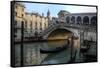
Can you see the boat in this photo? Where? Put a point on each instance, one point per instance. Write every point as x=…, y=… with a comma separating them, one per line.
x=53, y=50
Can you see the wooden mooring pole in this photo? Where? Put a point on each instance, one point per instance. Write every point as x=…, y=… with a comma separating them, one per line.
x=71, y=46
x=22, y=38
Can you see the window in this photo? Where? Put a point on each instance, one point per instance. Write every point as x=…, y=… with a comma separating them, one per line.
x=25, y=26
x=94, y=20
x=16, y=6
x=22, y=15
x=68, y=19
x=15, y=13
x=79, y=20
x=57, y=22
x=35, y=25
x=40, y=26
x=86, y=20
x=36, y=33
x=31, y=26
x=45, y=25
x=73, y=19
x=22, y=9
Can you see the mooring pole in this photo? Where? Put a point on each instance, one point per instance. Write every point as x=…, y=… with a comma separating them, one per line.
x=22, y=38
x=72, y=42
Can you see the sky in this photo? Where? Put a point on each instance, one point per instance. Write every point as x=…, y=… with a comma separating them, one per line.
x=54, y=8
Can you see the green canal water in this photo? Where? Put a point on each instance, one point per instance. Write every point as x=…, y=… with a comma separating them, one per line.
x=32, y=55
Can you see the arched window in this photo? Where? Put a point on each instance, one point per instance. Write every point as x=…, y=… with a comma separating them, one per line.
x=22, y=24
x=15, y=13
x=36, y=33
x=68, y=19
x=40, y=25
x=25, y=24
x=86, y=20
x=35, y=25
x=94, y=20
x=73, y=19
x=79, y=20
x=31, y=26
x=57, y=22
x=45, y=25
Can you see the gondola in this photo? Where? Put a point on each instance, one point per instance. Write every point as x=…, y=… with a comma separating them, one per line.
x=54, y=50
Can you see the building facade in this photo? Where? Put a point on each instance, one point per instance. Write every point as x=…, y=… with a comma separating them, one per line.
x=34, y=23
x=80, y=19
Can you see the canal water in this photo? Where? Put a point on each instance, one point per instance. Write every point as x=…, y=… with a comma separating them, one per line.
x=32, y=55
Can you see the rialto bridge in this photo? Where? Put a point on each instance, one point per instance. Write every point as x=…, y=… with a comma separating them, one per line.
x=82, y=25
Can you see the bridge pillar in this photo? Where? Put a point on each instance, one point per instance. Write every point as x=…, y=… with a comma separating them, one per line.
x=72, y=40
x=81, y=38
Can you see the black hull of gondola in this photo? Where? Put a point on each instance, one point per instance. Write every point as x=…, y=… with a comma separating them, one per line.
x=53, y=50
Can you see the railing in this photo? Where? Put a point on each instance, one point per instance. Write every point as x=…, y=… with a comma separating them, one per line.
x=77, y=26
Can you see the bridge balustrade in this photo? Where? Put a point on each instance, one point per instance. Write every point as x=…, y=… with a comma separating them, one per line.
x=74, y=25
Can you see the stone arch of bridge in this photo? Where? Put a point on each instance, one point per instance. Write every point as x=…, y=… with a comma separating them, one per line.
x=72, y=31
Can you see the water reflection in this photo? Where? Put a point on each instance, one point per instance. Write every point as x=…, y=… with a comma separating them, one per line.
x=32, y=55
x=57, y=43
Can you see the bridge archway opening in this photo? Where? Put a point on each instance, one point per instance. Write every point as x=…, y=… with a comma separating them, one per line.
x=59, y=37
x=59, y=34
